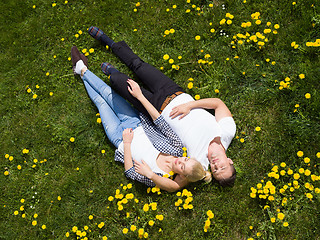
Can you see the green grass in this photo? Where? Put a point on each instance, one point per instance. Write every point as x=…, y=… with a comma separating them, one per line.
x=84, y=177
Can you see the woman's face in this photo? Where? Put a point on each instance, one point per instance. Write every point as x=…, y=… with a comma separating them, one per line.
x=183, y=165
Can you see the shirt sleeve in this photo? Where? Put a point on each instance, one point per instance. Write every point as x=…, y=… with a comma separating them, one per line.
x=228, y=131
x=162, y=137
x=131, y=172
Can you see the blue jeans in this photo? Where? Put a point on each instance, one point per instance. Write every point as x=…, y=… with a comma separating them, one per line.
x=115, y=112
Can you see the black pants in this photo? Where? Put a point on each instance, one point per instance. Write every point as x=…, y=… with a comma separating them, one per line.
x=159, y=85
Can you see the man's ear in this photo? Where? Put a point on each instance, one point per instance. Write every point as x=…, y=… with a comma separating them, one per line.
x=230, y=161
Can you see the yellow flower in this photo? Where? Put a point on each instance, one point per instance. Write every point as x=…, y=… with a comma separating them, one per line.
x=91, y=50
x=34, y=96
x=223, y=21
x=54, y=4
x=272, y=219
x=151, y=223
x=133, y=228
x=296, y=176
x=159, y=217
x=72, y=139
x=171, y=61
x=166, y=57
x=258, y=129
x=212, y=30
x=309, y=195
x=43, y=227
x=67, y=234
x=197, y=97
x=90, y=217
x=307, y=95
x=197, y=37
x=146, y=207
x=125, y=230
x=141, y=231
x=300, y=154
x=276, y=26
x=280, y=215
x=98, y=120
x=6, y=173
x=242, y=140
x=285, y=224
x=101, y=225
x=229, y=22
x=172, y=30
x=302, y=76
x=34, y=223
x=190, y=85
x=258, y=22
x=306, y=160
x=318, y=154
x=210, y=214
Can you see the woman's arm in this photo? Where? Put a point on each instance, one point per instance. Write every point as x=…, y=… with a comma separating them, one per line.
x=127, y=136
x=135, y=90
x=221, y=110
x=166, y=184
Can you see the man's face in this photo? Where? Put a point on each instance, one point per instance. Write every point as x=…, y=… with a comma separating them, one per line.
x=221, y=166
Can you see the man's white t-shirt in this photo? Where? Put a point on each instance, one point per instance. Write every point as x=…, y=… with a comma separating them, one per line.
x=197, y=129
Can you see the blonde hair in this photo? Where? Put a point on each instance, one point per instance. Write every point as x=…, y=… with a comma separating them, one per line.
x=198, y=173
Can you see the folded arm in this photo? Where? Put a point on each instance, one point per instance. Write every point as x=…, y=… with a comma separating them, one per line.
x=166, y=184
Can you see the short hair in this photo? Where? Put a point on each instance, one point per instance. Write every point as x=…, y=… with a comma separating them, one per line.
x=229, y=182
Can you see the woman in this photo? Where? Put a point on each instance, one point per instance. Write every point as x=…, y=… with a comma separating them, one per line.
x=155, y=148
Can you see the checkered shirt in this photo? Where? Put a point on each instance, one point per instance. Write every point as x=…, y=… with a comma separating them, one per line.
x=162, y=138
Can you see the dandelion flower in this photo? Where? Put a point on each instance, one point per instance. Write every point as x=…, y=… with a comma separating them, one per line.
x=197, y=37
x=166, y=57
x=300, y=154
x=72, y=139
x=133, y=228
x=197, y=97
x=258, y=129
x=280, y=216
x=307, y=95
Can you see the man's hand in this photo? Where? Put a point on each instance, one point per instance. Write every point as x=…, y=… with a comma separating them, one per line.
x=127, y=135
x=182, y=109
x=143, y=169
x=134, y=89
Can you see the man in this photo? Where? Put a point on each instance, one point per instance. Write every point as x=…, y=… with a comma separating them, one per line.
x=205, y=136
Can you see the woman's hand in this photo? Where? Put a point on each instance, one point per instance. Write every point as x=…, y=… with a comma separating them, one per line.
x=134, y=89
x=182, y=109
x=127, y=135
x=143, y=169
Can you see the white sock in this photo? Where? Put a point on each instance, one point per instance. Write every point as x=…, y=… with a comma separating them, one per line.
x=79, y=66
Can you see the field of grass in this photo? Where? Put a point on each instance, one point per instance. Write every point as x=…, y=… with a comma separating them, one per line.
x=260, y=57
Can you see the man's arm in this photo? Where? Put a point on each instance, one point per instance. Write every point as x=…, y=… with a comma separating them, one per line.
x=221, y=110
